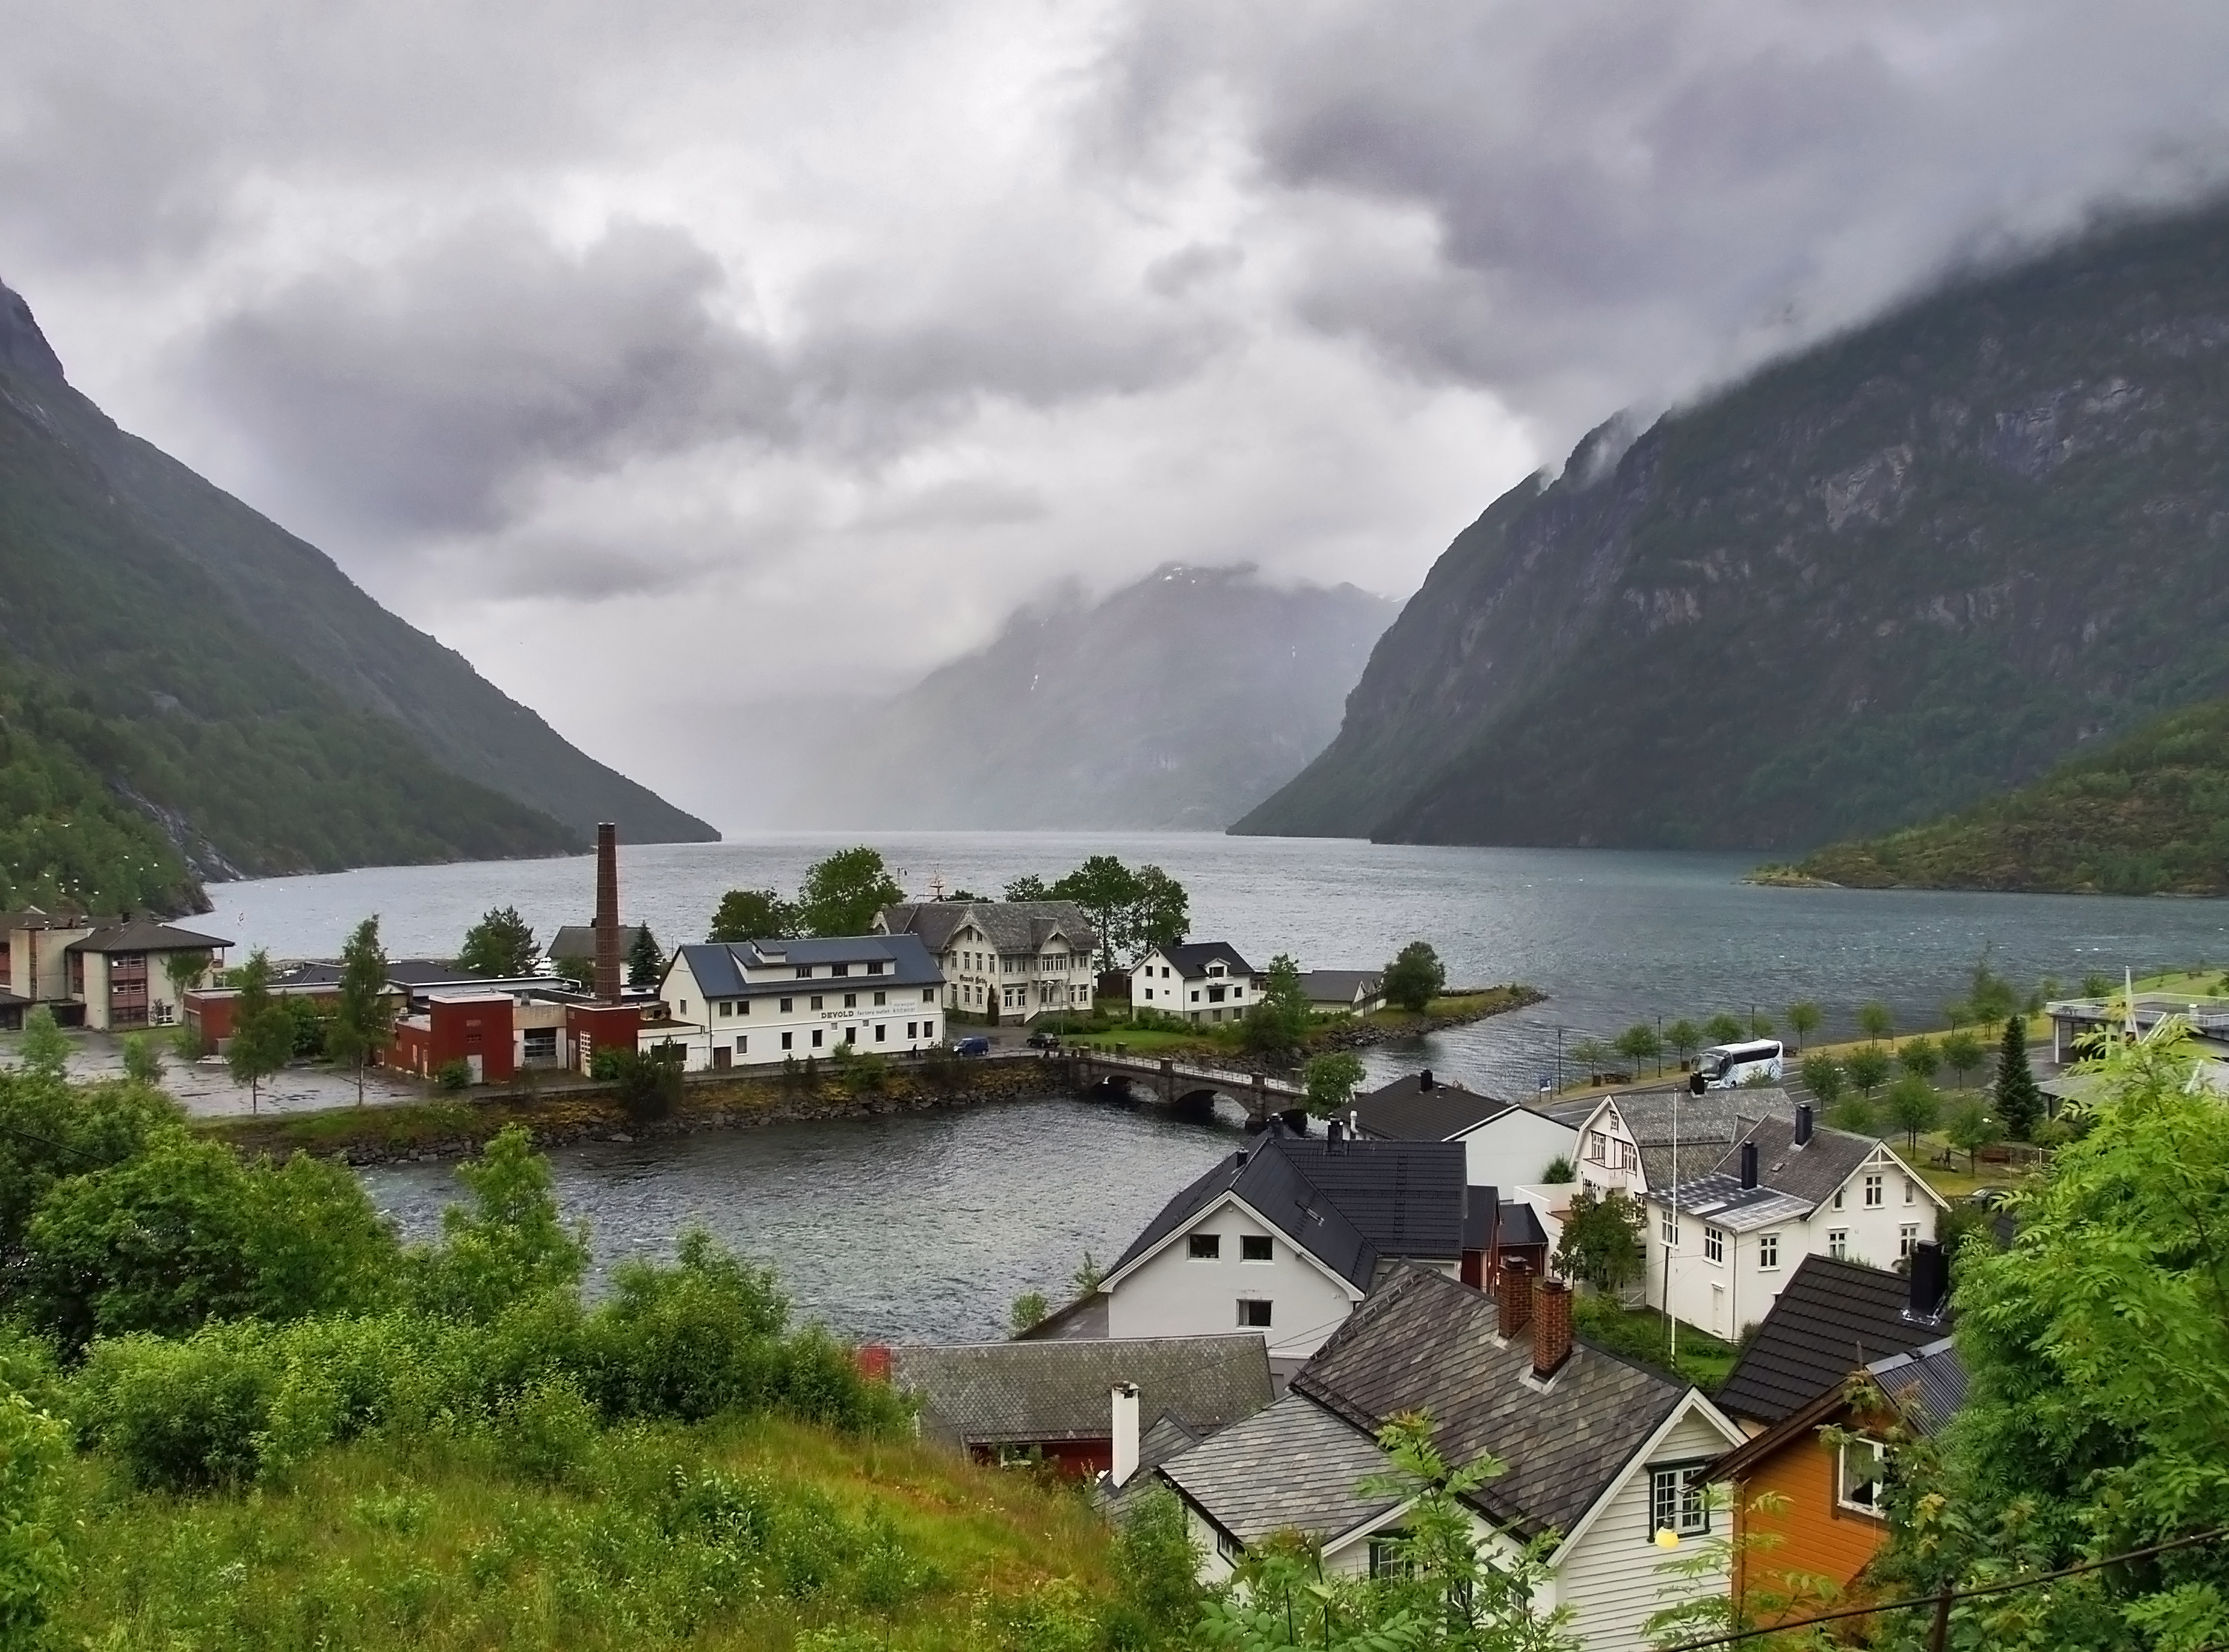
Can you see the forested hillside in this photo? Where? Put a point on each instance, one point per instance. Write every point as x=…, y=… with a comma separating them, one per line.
x=2145, y=815
x=1878, y=582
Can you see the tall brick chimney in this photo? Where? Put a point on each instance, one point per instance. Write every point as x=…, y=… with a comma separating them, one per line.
x=608, y=913
x=1513, y=1298
x=1552, y=1327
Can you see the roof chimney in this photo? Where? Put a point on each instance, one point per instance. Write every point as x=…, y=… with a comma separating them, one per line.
x=608, y=913
x=1125, y=1401
x=1552, y=1327
x=1930, y=1280
x=1803, y=1124
x=873, y=1359
x=1748, y=1165
x=1424, y=1079
x=1334, y=1131
x=1513, y=1298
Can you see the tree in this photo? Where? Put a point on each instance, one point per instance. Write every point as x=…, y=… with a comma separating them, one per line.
x=1684, y=1038
x=511, y=1244
x=1330, y=1080
x=1415, y=978
x=1162, y=914
x=1822, y=1076
x=35, y=1564
x=1279, y=1019
x=1920, y=1058
x=1028, y=887
x=1602, y=1239
x=262, y=1028
x=1802, y=1020
x=581, y=972
x=1854, y=1114
x=1875, y=1021
x=44, y=1048
x=1639, y=1043
x=1972, y=1126
x=1913, y=1106
x=500, y=946
x=1723, y=1029
x=753, y=914
x=645, y=959
x=648, y=1084
x=1592, y=1054
x=1760, y=1024
x=186, y=970
x=1868, y=1068
x=843, y=894
x=1956, y=1014
x=2019, y=1103
x=1030, y=1309
x=1108, y=893
x=1992, y=996
x=363, y=1010
x=1961, y=1053
x=142, y=1062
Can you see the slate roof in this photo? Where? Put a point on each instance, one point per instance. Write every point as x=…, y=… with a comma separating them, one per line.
x=1427, y=1344
x=144, y=935
x=1341, y=986
x=1346, y=1203
x=1928, y=1384
x=1520, y=1224
x=1011, y=926
x=1715, y=1119
x=718, y=966
x=1810, y=1172
x=579, y=940
x=1019, y=1394
x=1406, y=1110
x=1830, y=1318
x=1295, y=1465
x=1190, y=958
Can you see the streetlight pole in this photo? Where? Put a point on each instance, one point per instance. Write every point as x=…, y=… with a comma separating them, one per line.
x=1672, y=1319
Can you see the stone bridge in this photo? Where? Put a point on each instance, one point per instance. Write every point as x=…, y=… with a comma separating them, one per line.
x=1179, y=1084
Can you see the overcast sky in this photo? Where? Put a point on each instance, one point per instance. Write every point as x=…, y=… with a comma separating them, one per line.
x=788, y=347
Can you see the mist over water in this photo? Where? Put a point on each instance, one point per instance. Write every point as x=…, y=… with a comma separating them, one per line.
x=928, y=1226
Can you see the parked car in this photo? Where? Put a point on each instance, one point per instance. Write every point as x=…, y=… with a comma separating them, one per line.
x=1044, y=1040
x=976, y=1045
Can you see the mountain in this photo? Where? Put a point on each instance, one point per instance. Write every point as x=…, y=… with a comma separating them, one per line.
x=188, y=691
x=1177, y=702
x=2146, y=815
x=1888, y=576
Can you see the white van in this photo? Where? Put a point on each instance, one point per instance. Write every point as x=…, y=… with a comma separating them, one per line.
x=1728, y=1066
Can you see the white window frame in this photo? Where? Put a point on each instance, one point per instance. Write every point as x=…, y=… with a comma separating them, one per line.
x=1669, y=1231
x=1203, y=1247
x=1876, y=1189
x=1266, y=1243
x=1714, y=1244
x=1768, y=1253
x=1246, y=1322
x=1680, y=1500
x=1838, y=1243
x=1878, y=1451
x=1907, y=1239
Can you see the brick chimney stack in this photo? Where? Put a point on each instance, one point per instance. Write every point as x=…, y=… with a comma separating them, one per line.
x=1513, y=1298
x=1552, y=1327
x=608, y=913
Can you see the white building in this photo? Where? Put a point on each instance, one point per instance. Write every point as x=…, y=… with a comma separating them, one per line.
x=1195, y=980
x=1639, y=1140
x=1344, y=992
x=1507, y=1144
x=110, y=974
x=1723, y=1244
x=1600, y=1456
x=756, y=1003
x=1016, y=960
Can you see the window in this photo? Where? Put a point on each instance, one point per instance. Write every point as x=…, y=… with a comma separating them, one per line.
x=1206, y=1247
x=882, y=998
x=1254, y=1247
x=727, y=1008
x=850, y=1035
x=1909, y=1196
x=1389, y=1556
x=685, y=1009
x=874, y=969
x=1838, y=1243
x=816, y=1038
x=1906, y=1238
x=744, y=1007
x=911, y=1032
x=1149, y=994
x=1677, y=1501
x=928, y=995
x=1875, y=1196
x=850, y=1000
x=1838, y=1199
x=840, y=969
x=880, y=1029
x=1859, y=1465
x=1767, y=1251
x=788, y=1004
x=1229, y=1548
x=1714, y=1244
x=742, y=1043
x=1195, y=995
x=1669, y=1231
x=805, y=972
x=1253, y=1314
x=789, y=1040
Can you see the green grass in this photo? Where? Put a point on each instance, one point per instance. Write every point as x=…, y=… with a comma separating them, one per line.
x=1644, y=1334
x=762, y=1534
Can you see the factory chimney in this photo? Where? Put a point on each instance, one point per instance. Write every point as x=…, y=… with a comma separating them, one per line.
x=608, y=913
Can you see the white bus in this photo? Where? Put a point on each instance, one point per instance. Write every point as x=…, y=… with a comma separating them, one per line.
x=1728, y=1066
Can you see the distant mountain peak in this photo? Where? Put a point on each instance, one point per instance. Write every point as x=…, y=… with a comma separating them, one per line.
x=23, y=348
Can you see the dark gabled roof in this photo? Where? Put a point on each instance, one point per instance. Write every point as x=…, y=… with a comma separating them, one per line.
x=1706, y=1125
x=1425, y=1343
x=1296, y=1466
x=1519, y=1224
x=1340, y=986
x=1408, y=1111
x=1346, y=1203
x=1810, y=1172
x=1481, y=1217
x=1084, y=1318
x=718, y=966
x=1011, y=926
x=1928, y=1385
x=1020, y=1393
x=1191, y=958
x=415, y=973
x=1831, y=1318
x=144, y=935
x=579, y=940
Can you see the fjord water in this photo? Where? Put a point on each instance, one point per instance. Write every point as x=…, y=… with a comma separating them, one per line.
x=928, y=1226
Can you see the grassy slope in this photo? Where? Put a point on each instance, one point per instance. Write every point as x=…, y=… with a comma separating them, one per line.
x=376, y=1545
x=2146, y=814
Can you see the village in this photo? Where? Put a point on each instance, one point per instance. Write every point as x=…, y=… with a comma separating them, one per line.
x=1523, y=1271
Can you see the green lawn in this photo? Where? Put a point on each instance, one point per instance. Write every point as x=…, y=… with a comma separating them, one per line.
x=1644, y=1334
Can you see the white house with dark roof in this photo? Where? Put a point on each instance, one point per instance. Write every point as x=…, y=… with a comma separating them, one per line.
x=1344, y=992
x=758, y=1002
x=1506, y=1143
x=101, y=973
x=1195, y=980
x=1601, y=1455
x=1638, y=1140
x=1013, y=960
x=1724, y=1242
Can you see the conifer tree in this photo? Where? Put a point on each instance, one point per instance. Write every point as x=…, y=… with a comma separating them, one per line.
x=2019, y=1103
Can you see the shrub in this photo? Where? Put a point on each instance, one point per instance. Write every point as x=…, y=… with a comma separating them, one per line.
x=649, y=1086
x=606, y=1061
x=1854, y=1114
x=548, y=1432
x=454, y=1075
x=1560, y=1170
x=143, y=1058
x=180, y=1415
x=33, y=1563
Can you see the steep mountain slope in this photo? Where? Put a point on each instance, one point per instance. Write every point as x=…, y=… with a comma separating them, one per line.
x=2144, y=815
x=1880, y=580
x=292, y=599
x=1179, y=702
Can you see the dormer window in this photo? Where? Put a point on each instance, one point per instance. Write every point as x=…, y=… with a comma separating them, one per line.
x=805, y=972
x=874, y=969
x=840, y=969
